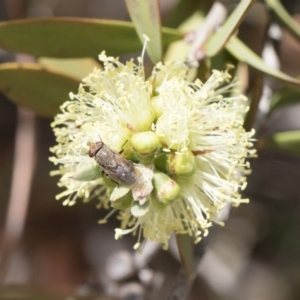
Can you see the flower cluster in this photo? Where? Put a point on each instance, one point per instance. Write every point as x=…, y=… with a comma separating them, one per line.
x=183, y=142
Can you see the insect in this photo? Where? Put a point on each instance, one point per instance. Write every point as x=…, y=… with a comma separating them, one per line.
x=114, y=165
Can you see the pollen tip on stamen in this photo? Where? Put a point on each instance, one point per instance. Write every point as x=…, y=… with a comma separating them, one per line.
x=146, y=38
x=118, y=233
x=136, y=245
x=59, y=196
x=244, y=186
x=54, y=173
x=102, y=221
x=165, y=246
x=197, y=240
x=65, y=203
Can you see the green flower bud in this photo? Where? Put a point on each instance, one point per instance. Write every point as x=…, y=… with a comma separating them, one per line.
x=120, y=197
x=120, y=141
x=161, y=162
x=145, y=143
x=108, y=182
x=130, y=155
x=182, y=164
x=144, y=119
x=157, y=105
x=123, y=202
x=138, y=210
x=167, y=190
x=118, y=192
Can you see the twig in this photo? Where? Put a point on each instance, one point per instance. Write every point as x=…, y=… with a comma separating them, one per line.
x=181, y=287
x=214, y=18
x=24, y=161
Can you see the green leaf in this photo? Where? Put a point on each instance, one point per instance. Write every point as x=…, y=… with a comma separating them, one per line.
x=183, y=10
x=74, y=37
x=243, y=53
x=284, y=17
x=88, y=173
x=285, y=97
x=288, y=141
x=221, y=59
x=31, y=85
x=146, y=18
x=75, y=67
x=219, y=39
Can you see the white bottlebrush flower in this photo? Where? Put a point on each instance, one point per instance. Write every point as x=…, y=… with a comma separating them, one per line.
x=183, y=142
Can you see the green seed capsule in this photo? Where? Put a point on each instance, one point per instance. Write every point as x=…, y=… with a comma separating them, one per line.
x=145, y=143
x=167, y=190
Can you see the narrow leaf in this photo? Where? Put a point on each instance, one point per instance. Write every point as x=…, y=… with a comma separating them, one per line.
x=243, y=53
x=74, y=37
x=31, y=85
x=145, y=15
x=256, y=92
x=288, y=141
x=219, y=39
x=285, y=97
x=284, y=17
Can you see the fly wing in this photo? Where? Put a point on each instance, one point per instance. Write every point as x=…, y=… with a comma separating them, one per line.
x=124, y=173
